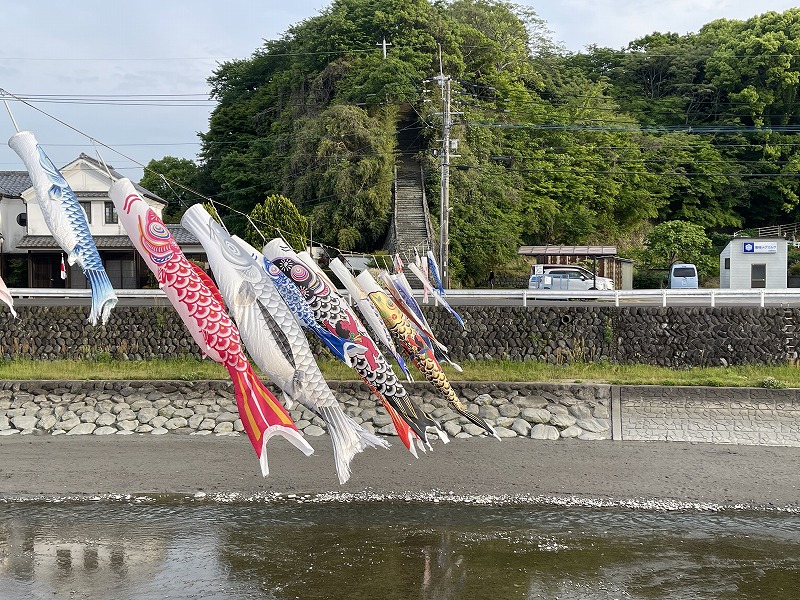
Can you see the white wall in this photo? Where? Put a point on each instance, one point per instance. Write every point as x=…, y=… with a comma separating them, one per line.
x=10, y=208
x=725, y=274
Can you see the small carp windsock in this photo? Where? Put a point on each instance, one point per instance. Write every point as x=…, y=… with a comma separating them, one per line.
x=273, y=337
x=422, y=266
x=5, y=296
x=426, y=284
x=400, y=290
x=433, y=268
x=332, y=313
x=368, y=311
x=66, y=221
x=196, y=300
x=420, y=351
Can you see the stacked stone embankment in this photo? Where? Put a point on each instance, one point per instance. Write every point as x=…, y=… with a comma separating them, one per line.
x=549, y=411
x=209, y=407
x=677, y=337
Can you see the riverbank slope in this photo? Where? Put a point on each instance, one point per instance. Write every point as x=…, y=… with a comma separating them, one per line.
x=66, y=466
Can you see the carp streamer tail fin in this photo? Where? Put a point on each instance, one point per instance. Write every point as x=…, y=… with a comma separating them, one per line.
x=348, y=439
x=103, y=296
x=404, y=432
x=476, y=420
x=417, y=420
x=263, y=416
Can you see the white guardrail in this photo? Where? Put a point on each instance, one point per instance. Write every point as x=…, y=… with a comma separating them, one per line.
x=520, y=297
x=79, y=293
x=666, y=297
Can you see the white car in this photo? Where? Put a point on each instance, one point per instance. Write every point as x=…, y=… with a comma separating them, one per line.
x=566, y=277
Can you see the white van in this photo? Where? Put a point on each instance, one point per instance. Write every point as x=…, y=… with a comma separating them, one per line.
x=683, y=276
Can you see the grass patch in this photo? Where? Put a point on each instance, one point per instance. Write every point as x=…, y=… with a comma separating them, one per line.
x=107, y=369
x=188, y=369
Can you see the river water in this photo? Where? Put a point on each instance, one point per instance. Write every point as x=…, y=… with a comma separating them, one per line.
x=154, y=548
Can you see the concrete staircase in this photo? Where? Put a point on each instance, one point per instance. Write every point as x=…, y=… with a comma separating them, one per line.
x=411, y=227
x=410, y=216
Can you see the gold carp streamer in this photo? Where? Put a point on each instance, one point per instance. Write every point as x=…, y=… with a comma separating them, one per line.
x=421, y=354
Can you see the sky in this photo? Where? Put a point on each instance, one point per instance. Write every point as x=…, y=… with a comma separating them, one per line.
x=126, y=83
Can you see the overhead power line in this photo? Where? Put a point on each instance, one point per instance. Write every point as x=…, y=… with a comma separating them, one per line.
x=640, y=128
x=118, y=99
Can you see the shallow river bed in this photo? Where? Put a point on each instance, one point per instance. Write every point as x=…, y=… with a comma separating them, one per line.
x=173, y=547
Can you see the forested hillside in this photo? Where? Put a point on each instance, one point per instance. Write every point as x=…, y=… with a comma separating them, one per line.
x=591, y=148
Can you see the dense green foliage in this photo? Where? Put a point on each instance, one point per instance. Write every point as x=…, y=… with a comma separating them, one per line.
x=277, y=217
x=678, y=241
x=591, y=148
x=175, y=180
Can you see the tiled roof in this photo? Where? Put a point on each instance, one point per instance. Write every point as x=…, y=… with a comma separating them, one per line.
x=107, y=242
x=116, y=176
x=184, y=237
x=13, y=183
x=30, y=242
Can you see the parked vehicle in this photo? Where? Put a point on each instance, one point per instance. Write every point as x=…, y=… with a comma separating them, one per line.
x=683, y=276
x=568, y=277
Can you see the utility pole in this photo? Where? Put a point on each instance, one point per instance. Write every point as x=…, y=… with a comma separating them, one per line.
x=384, y=44
x=444, y=164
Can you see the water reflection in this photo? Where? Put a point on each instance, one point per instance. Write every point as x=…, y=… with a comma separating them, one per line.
x=444, y=572
x=392, y=550
x=64, y=550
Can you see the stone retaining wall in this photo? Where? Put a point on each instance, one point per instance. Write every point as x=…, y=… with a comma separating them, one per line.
x=677, y=337
x=205, y=407
x=553, y=411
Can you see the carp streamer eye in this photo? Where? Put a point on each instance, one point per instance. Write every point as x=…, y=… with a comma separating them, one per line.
x=300, y=273
x=158, y=231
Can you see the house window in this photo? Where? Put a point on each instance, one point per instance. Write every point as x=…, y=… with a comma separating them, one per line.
x=111, y=214
x=727, y=263
x=87, y=209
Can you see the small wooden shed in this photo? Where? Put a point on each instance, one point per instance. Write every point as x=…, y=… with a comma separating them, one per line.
x=601, y=260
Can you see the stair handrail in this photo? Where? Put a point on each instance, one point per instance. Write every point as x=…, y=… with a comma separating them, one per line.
x=394, y=234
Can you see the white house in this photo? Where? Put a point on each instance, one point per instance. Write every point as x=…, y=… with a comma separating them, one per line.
x=30, y=256
x=754, y=263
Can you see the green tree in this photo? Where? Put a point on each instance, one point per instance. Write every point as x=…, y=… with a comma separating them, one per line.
x=696, y=182
x=720, y=100
x=276, y=216
x=758, y=68
x=342, y=165
x=175, y=180
x=676, y=241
